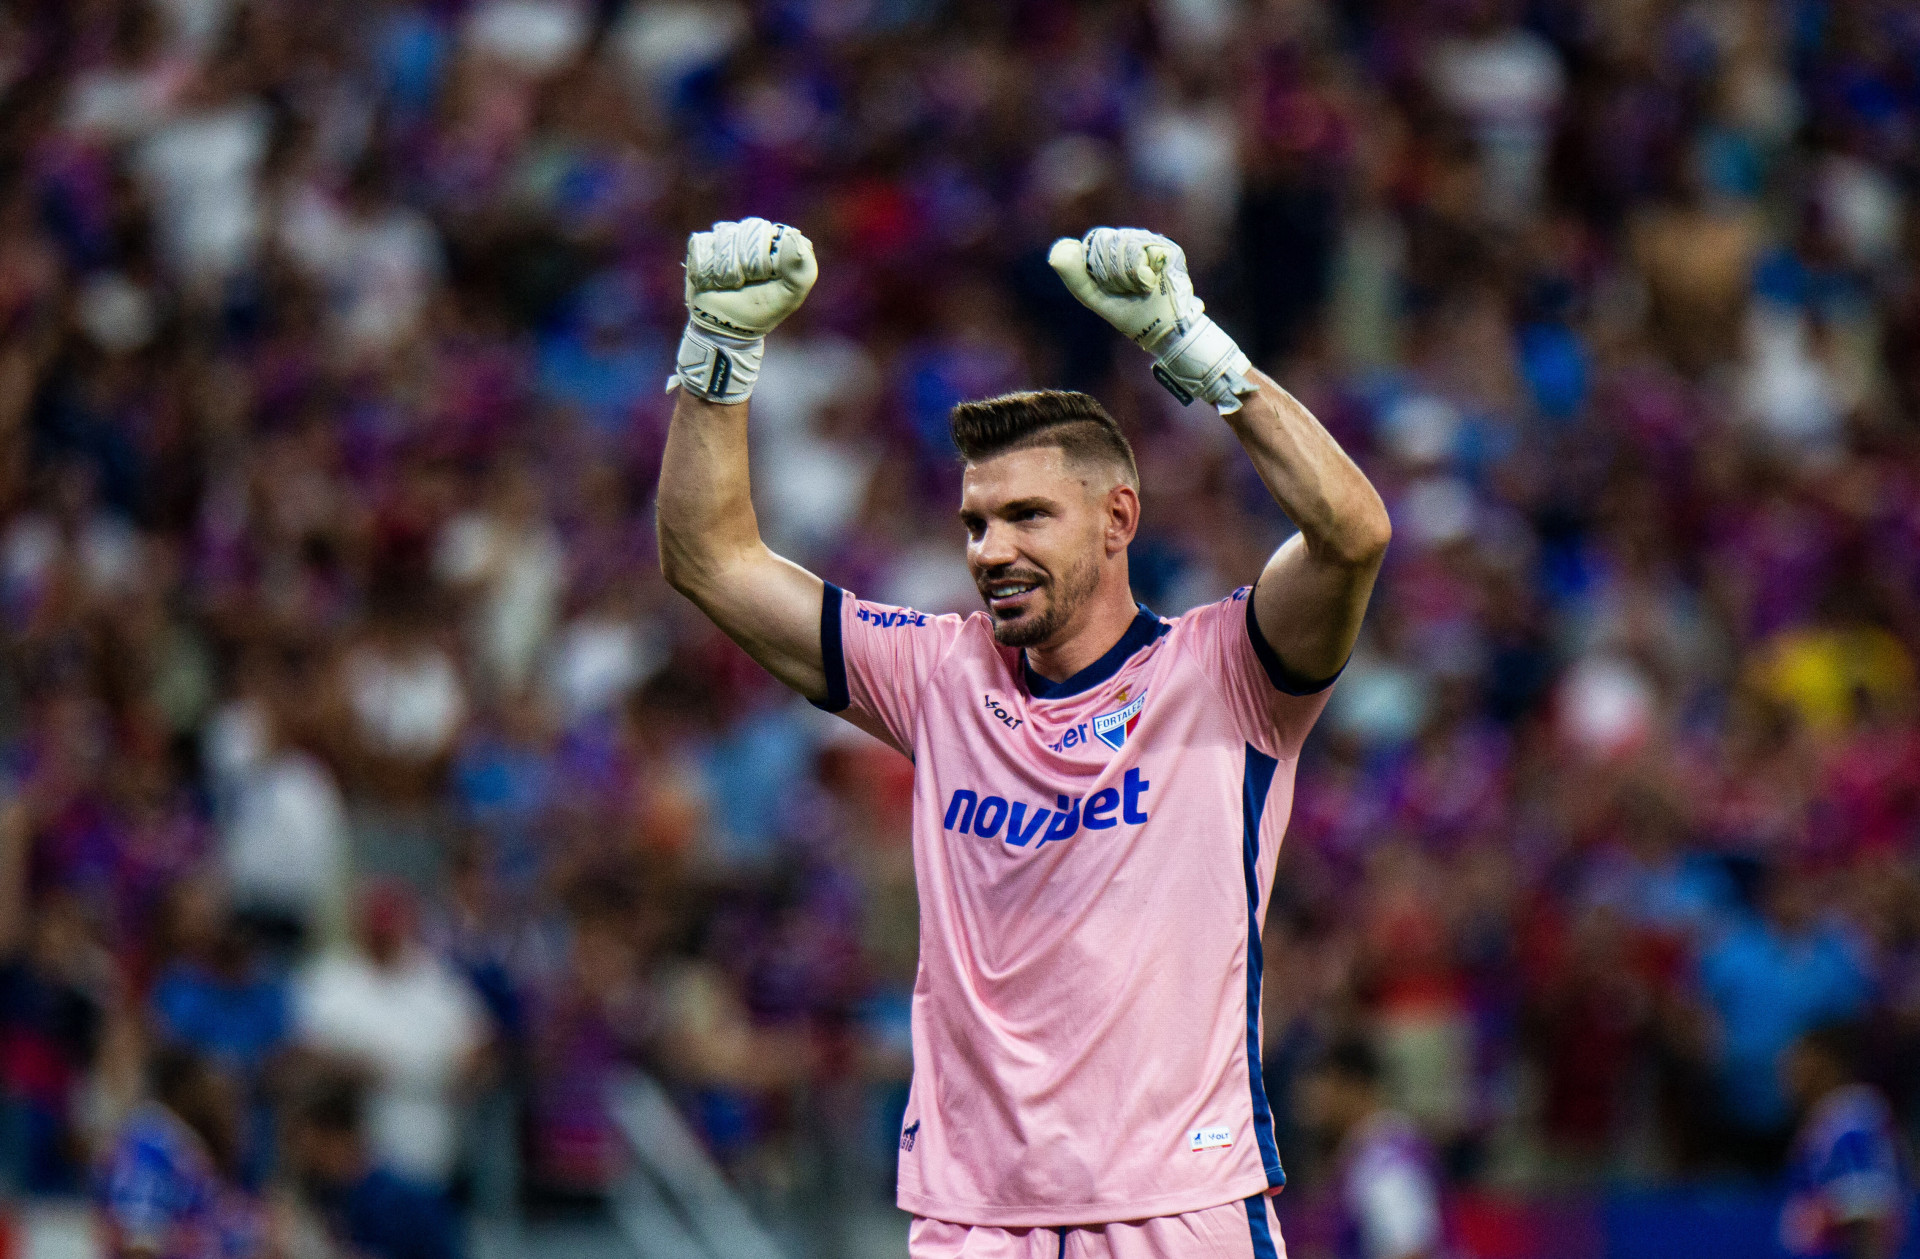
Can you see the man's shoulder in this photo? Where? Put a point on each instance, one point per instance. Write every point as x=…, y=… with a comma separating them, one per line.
x=879, y=614
x=968, y=645
x=969, y=633
x=1232, y=604
x=1198, y=632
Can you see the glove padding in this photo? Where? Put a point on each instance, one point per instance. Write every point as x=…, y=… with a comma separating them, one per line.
x=742, y=279
x=1137, y=281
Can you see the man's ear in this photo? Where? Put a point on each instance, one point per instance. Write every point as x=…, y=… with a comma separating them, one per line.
x=1123, y=517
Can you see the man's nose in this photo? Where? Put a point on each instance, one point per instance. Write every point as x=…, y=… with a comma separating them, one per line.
x=995, y=547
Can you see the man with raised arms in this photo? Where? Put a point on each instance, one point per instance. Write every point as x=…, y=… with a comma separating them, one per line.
x=1099, y=792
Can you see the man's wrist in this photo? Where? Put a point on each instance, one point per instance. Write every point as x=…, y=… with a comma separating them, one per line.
x=715, y=366
x=1200, y=360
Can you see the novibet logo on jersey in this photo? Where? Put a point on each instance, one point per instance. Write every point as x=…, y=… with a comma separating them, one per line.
x=969, y=812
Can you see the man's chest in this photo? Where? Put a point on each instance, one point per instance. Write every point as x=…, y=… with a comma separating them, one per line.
x=992, y=725
x=1011, y=778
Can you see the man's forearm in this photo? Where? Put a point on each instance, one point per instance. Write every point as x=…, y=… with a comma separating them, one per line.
x=1338, y=512
x=704, y=509
x=711, y=550
x=1312, y=595
x=743, y=278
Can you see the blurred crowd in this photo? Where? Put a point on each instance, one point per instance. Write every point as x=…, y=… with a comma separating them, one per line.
x=370, y=803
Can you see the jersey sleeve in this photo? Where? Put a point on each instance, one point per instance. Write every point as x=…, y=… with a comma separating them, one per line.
x=1273, y=708
x=879, y=660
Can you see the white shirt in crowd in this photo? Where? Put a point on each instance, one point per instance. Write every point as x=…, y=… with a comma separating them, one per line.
x=1389, y=1192
x=522, y=574
x=417, y=1024
x=286, y=840
x=202, y=170
x=1507, y=87
x=409, y=701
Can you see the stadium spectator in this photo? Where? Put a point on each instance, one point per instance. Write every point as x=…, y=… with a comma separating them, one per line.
x=221, y=1000
x=51, y=1017
x=1849, y=1194
x=1389, y=1194
x=168, y=1190
x=284, y=853
x=1776, y=975
x=393, y=1009
x=367, y=1209
x=218, y=997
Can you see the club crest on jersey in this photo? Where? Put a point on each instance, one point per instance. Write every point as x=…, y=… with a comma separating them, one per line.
x=1114, y=727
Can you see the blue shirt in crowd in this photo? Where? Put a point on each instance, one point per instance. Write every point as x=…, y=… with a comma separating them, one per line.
x=1767, y=989
x=385, y=1217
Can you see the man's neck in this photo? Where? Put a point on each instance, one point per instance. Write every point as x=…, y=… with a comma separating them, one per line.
x=1099, y=627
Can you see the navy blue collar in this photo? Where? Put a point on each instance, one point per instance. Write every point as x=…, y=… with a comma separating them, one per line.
x=1146, y=627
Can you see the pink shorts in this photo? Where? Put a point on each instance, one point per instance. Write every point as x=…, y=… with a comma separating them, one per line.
x=1238, y=1230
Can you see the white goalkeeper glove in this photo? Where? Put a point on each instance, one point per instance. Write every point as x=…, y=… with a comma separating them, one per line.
x=1137, y=281
x=742, y=280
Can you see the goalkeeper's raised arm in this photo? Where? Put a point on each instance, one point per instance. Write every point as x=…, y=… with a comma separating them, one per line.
x=742, y=280
x=1311, y=596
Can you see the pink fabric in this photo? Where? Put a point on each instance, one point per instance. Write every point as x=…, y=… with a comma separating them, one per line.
x=1080, y=1015
x=1222, y=1232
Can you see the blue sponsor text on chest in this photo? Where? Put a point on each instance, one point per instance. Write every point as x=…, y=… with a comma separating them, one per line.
x=1075, y=736
x=970, y=813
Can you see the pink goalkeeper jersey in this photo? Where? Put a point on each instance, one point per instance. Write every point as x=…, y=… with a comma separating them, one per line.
x=1093, y=860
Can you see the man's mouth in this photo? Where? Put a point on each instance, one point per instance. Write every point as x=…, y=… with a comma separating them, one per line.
x=1009, y=596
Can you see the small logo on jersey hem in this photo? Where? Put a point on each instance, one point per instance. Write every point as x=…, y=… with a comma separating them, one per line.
x=1114, y=727
x=908, y=1135
x=1209, y=1139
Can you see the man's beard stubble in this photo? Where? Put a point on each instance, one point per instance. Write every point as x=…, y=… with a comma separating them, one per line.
x=1063, y=599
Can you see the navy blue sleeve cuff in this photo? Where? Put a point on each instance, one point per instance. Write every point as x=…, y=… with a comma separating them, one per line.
x=832, y=654
x=1284, y=680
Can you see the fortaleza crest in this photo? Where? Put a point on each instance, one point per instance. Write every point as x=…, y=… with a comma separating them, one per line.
x=1114, y=727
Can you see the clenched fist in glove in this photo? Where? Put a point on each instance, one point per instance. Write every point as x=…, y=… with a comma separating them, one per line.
x=1137, y=281
x=742, y=280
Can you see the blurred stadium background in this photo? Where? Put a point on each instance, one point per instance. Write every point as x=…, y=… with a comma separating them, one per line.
x=362, y=779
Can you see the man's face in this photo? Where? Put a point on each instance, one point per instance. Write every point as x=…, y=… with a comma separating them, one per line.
x=1037, y=538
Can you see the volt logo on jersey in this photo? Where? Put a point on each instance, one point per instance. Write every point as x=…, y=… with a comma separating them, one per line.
x=1209, y=1138
x=1114, y=727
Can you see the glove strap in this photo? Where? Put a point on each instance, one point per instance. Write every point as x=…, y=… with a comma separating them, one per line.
x=1202, y=361
x=715, y=366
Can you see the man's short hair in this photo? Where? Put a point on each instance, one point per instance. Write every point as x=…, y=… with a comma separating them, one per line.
x=1074, y=422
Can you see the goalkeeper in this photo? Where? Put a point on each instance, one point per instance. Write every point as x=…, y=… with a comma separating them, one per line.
x=1099, y=792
